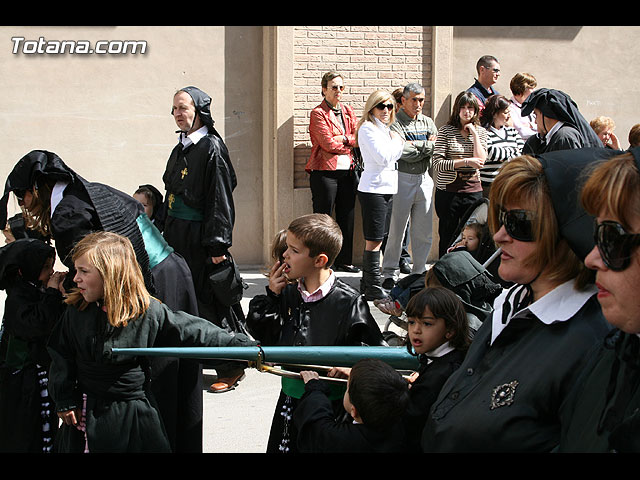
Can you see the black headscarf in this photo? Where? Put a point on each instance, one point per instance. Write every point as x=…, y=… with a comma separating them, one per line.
x=566, y=171
x=202, y=102
x=559, y=106
x=27, y=255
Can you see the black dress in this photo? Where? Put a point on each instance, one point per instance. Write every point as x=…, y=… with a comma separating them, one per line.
x=121, y=415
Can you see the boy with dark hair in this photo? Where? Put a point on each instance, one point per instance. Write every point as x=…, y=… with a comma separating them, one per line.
x=316, y=309
x=376, y=398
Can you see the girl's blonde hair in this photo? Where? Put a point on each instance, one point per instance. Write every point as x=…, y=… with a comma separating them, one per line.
x=38, y=216
x=125, y=295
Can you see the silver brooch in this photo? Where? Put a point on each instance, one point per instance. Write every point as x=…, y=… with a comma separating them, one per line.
x=503, y=394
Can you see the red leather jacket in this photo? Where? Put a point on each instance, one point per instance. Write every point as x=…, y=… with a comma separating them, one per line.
x=323, y=126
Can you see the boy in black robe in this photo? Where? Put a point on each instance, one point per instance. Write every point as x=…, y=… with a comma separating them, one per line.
x=376, y=399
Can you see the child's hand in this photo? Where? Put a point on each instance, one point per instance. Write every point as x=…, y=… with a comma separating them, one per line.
x=339, y=372
x=56, y=280
x=309, y=375
x=277, y=279
x=70, y=417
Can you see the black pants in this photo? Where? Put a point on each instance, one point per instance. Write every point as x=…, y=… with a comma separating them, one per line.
x=451, y=207
x=336, y=189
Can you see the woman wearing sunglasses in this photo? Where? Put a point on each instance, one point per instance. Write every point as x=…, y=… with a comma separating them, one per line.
x=459, y=153
x=605, y=414
x=509, y=392
x=332, y=175
x=380, y=148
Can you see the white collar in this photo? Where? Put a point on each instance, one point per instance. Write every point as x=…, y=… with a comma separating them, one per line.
x=194, y=137
x=440, y=351
x=559, y=305
x=379, y=123
x=57, y=193
x=553, y=130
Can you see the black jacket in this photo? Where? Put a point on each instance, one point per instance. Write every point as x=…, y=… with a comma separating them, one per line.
x=342, y=317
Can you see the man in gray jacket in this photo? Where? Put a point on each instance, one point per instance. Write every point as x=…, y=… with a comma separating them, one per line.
x=415, y=186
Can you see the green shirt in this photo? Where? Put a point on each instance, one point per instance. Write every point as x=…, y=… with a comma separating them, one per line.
x=416, y=156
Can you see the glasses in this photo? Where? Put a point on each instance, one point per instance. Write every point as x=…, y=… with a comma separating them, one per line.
x=382, y=106
x=337, y=87
x=517, y=223
x=615, y=244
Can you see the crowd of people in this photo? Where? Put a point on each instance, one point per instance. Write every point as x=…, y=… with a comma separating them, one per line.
x=526, y=329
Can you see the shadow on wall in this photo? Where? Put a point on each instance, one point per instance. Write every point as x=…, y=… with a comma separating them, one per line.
x=540, y=32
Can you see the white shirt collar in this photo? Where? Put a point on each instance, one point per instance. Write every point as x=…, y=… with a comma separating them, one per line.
x=440, y=351
x=559, y=305
x=57, y=193
x=553, y=130
x=194, y=137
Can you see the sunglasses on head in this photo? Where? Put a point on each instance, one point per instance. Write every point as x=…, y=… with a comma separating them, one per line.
x=382, y=106
x=615, y=244
x=517, y=223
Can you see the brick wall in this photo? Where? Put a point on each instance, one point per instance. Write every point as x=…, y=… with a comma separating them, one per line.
x=369, y=58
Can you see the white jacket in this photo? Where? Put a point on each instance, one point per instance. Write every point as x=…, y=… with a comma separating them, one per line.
x=380, y=153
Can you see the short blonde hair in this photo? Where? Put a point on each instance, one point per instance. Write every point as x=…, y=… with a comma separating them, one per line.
x=522, y=181
x=378, y=96
x=600, y=123
x=125, y=294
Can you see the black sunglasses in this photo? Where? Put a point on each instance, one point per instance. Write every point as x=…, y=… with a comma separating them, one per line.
x=517, y=223
x=615, y=244
x=382, y=106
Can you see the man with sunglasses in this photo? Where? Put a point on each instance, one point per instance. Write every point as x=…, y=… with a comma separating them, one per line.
x=488, y=70
x=605, y=406
x=412, y=203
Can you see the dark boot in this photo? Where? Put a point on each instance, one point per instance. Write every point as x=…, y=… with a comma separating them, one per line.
x=371, y=284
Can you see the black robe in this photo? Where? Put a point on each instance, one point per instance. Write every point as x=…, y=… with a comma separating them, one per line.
x=28, y=422
x=121, y=415
x=320, y=432
x=604, y=412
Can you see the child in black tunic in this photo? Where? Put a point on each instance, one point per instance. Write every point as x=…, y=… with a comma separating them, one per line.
x=28, y=422
x=375, y=399
x=102, y=398
x=438, y=333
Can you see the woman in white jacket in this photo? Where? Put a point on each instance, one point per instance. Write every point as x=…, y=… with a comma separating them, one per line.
x=380, y=148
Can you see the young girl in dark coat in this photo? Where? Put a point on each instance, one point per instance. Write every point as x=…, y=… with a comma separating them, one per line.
x=28, y=422
x=438, y=333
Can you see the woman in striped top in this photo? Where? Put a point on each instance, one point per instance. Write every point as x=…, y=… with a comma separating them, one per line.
x=504, y=142
x=460, y=151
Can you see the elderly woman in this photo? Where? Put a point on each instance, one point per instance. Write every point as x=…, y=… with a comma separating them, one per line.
x=331, y=167
x=605, y=411
x=521, y=85
x=381, y=148
x=460, y=151
x=604, y=127
x=510, y=390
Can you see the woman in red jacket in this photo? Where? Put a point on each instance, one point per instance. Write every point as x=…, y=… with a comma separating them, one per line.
x=332, y=176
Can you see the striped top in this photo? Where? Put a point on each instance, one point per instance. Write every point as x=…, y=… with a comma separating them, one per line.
x=503, y=145
x=452, y=145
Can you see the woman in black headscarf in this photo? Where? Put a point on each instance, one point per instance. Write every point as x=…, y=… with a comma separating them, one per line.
x=509, y=394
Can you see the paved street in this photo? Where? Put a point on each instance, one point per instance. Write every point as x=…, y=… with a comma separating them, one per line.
x=238, y=421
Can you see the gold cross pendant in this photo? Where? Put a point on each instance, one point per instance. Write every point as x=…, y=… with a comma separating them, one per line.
x=184, y=172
